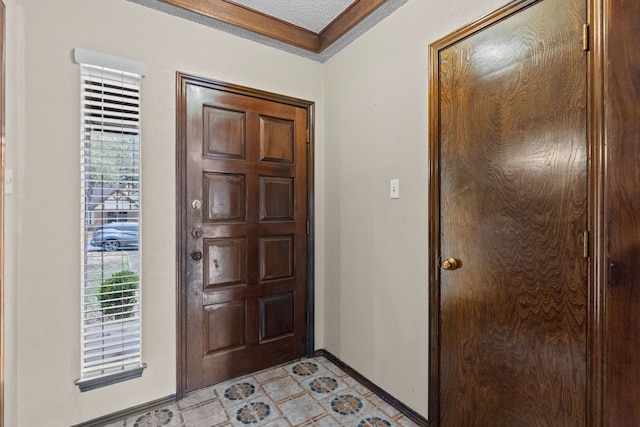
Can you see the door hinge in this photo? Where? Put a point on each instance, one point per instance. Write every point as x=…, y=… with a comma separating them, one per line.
x=585, y=244
x=308, y=227
x=308, y=136
x=585, y=37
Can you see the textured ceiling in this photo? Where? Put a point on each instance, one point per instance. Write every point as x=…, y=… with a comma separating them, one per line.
x=294, y=8
x=313, y=15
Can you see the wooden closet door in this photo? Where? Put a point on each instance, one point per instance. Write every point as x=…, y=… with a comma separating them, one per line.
x=509, y=206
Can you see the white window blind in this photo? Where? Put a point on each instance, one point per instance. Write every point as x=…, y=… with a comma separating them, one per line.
x=110, y=226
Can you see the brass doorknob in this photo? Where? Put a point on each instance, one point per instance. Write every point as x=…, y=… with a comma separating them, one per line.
x=449, y=264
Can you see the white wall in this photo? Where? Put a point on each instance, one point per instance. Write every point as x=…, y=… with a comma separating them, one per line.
x=14, y=106
x=376, y=92
x=43, y=141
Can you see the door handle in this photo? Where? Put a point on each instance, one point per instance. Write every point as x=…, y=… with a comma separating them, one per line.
x=449, y=264
x=196, y=256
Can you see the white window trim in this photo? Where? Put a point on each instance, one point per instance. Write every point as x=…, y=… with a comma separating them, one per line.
x=129, y=368
x=99, y=59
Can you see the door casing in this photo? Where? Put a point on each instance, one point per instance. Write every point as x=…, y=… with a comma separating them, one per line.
x=182, y=81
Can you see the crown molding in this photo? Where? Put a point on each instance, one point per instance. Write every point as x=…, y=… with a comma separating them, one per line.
x=277, y=29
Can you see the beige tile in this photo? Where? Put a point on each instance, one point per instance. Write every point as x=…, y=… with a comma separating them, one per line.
x=197, y=398
x=270, y=374
x=212, y=414
x=301, y=409
x=405, y=422
x=362, y=390
x=326, y=421
x=386, y=408
x=283, y=388
x=336, y=371
x=279, y=422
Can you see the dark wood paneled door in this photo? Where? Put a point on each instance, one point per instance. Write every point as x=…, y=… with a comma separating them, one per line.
x=245, y=232
x=509, y=207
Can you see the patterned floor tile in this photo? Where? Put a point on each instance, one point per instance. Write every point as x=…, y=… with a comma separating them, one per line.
x=336, y=371
x=212, y=414
x=305, y=393
x=383, y=406
x=358, y=387
x=326, y=421
x=321, y=387
x=252, y=412
x=283, y=422
x=197, y=398
x=283, y=388
x=376, y=418
x=301, y=409
x=405, y=422
x=238, y=393
x=168, y=416
x=347, y=406
x=306, y=369
x=270, y=374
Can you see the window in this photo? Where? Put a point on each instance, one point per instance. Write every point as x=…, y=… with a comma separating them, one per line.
x=111, y=294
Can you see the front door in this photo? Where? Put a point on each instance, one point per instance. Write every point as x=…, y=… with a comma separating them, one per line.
x=509, y=206
x=244, y=237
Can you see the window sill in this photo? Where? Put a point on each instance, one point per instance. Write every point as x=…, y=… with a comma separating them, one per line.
x=114, y=378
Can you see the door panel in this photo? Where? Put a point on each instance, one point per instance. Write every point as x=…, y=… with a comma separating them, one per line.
x=512, y=192
x=245, y=236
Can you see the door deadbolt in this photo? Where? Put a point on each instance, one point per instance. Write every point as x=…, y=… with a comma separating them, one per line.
x=196, y=256
x=196, y=232
x=449, y=264
x=196, y=204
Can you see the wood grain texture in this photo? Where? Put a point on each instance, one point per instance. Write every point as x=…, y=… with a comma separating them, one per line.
x=249, y=19
x=622, y=290
x=597, y=223
x=225, y=323
x=224, y=287
x=512, y=209
x=356, y=12
x=269, y=26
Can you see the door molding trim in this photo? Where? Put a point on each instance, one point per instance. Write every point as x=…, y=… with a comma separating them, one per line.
x=182, y=81
x=598, y=17
x=434, y=188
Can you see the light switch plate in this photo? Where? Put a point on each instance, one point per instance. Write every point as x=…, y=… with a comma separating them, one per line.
x=394, y=190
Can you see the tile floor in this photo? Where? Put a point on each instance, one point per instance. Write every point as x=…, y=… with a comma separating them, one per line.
x=309, y=392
